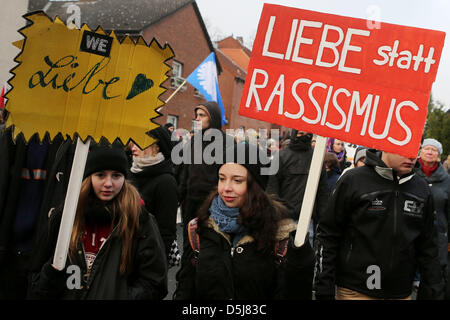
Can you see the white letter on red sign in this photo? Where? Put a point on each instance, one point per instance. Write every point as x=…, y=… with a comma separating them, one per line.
x=267, y=41
x=298, y=99
x=331, y=45
x=300, y=40
x=278, y=90
x=402, y=124
x=252, y=89
x=347, y=47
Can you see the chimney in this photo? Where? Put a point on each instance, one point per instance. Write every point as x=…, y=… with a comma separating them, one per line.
x=241, y=40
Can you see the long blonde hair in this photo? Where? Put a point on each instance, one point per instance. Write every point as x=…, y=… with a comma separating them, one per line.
x=126, y=207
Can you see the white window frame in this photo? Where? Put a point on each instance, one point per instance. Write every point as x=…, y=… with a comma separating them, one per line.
x=173, y=119
x=176, y=80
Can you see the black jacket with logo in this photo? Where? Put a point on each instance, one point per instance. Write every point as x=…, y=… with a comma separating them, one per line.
x=376, y=231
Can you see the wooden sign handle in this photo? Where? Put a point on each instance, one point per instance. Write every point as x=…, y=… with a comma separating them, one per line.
x=70, y=204
x=310, y=191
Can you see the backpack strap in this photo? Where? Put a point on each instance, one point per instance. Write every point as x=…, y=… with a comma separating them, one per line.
x=281, y=248
x=194, y=239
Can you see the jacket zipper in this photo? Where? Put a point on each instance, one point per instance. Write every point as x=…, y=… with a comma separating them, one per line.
x=395, y=228
x=88, y=272
x=349, y=252
x=347, y=258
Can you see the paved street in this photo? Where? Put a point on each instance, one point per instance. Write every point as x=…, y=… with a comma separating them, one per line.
x=174, y=270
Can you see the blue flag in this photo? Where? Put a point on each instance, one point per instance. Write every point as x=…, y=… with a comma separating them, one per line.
x=204, y=79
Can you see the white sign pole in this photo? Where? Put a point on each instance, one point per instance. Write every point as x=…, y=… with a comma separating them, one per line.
x=179, y=87
x=70, y=204
x=310, y=191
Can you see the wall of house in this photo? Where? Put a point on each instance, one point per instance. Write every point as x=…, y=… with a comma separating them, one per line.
x=183, y=32
x=10, y=22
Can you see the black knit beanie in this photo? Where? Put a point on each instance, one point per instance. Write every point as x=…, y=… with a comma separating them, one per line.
x=164, y=143
x=106, y=157
x=244, y=154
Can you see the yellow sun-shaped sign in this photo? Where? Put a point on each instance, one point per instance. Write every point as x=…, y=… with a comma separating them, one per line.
x=85, y=83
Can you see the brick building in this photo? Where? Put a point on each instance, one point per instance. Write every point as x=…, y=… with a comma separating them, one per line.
x=234, y=58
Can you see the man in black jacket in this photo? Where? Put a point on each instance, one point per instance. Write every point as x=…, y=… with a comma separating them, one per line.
x=199, y=177
x=289, y=183
x=377, y=229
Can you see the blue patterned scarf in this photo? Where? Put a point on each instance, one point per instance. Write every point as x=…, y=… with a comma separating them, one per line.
x=226, y=219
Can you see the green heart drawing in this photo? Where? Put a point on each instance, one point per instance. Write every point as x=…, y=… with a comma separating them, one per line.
x=141, y=83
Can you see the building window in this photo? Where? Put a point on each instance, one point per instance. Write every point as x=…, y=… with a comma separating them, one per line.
x=173, y=120
x=198, y=94
x=177, y=69
x=177, y=79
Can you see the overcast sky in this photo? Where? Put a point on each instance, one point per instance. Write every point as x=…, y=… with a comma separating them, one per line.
x=241, y=17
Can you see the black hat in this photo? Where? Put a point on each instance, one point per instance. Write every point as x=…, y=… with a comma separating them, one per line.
x=359, y=153
x=252, y=158
x=169, y=125
x=164, y=143
x=106, y=157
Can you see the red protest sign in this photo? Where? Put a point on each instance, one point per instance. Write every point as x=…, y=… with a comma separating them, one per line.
x=333, y=76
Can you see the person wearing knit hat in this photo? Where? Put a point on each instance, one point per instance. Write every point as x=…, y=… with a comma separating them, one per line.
x=104, y=157
x=153, y=174
x=438, y=179
x=434, y=143
x=169, y=126
x=110, y=217
x=240, y=229
x=253, y=158
x=360, y=156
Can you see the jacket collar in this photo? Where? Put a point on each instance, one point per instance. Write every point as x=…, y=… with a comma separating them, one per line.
x=285, y=227
x=373, y=159
x=389, y=174
x=438, y=175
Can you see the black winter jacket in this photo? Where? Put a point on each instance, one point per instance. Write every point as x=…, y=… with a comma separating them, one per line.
x=12, y=159
x=377, y=222
x=289, y=183
x=224, y=272
x=198, y=179
x=439, y=183
x=147, y=278
x=158, y=188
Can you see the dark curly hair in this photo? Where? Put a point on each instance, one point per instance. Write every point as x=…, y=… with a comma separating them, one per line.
x=259, y=214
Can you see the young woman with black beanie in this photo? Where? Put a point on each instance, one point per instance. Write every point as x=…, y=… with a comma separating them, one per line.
x=115, y=244
x=243, y=247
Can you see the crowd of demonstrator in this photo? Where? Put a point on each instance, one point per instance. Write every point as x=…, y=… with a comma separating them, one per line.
x=379, y=228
